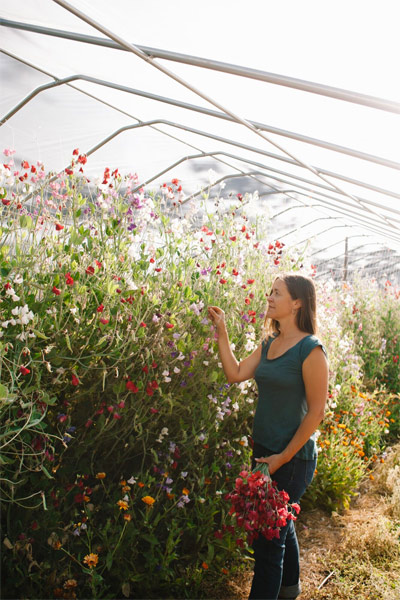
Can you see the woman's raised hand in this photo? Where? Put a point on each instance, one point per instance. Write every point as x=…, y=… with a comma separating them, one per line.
x=217, y=316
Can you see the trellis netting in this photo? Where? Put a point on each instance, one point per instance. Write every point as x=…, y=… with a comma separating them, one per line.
x=277, y=99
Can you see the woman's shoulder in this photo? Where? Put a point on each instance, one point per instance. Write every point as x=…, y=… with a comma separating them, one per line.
x=308, y=343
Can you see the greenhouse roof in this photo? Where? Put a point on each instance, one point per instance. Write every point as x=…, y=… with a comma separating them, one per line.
x=180, y=100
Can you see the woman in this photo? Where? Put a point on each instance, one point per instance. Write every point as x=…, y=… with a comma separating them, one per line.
x=291, y=372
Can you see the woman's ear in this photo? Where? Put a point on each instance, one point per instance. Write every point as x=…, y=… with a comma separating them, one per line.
x=297, y=303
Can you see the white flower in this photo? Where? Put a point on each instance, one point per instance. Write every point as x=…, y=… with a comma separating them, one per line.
x=132, y=480
x=126, y=498
x=244, y=440
x=201, y=500
x=18, y=279
x=176, y=370
x=164, y=431
x=206, y=363
x=167, y=379
x=10, y=291
x=165, y=373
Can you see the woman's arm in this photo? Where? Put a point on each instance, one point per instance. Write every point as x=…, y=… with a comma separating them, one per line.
x=315, y=377
x=235, y=371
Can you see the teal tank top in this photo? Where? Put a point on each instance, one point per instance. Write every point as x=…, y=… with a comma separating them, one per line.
x=282, y=401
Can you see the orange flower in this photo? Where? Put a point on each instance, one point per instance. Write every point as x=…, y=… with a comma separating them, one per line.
x=170, y=496
x=122, y=505
x=91, y=560
x=140, y=484
x=122, y=482
x=148, y=500
x=127, y=517
x=207, y=481
x=100, y=476
x=185, y=492
x=126, y=488
x=86, y=498
x=204, y=565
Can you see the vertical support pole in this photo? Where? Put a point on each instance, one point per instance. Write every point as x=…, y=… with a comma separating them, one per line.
x=346, y=258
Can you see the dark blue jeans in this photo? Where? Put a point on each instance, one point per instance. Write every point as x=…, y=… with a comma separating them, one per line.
x=276, y=567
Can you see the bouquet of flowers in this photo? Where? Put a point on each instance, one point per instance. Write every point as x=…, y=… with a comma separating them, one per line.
x=258, y=506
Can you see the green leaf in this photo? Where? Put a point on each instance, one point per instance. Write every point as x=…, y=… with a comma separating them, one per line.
x=214, y=376
x=3, y=391
x=40, y=335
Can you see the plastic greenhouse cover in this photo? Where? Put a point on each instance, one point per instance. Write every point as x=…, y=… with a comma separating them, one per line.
x=353, y=47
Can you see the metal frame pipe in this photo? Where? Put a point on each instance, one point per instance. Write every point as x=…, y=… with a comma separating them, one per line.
x=257, y=74
x=68, y=80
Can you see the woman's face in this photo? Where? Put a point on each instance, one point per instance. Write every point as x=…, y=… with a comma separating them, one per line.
x=280, y=302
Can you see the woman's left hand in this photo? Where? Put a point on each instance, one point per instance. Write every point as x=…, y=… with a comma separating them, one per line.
x=275, y=461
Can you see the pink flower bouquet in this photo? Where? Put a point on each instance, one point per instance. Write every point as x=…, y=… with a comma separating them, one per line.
x=258, y=506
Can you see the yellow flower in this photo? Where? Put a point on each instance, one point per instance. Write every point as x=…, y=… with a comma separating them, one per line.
x=148, y=500
x=91, y=560
x=126, y=488
x=122, y=505
x=100, y=476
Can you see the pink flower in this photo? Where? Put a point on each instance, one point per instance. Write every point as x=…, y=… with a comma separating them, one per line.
x=131, y=387
x=8, y=152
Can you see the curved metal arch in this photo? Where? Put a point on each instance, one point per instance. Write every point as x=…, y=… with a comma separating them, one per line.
x=68, y=80
x=277, y=190
x=364, y=222
x=350, y=237
x=211, y=113
x=274, y=78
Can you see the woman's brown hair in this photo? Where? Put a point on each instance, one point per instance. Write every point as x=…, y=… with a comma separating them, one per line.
x=300, y=288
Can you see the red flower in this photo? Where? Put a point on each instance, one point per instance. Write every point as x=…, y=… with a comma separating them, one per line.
x=131, y=387
x=90, y=270
x=24, y=370
x=68, y=279
x=99, y=264
x=154, y=385
x=175, y=181
x=222, y=281
x=234, y=272
x=69, y=171
x=169, y=325
x=149, y=390
x=56, y=291
x=82, y=159
x=154, y=365
x=250, y=281
x=247, y=301
x=59, y=227
x=100, y=308
x=145, y=369
x=25, y=164
x=154, y=411
x=143, y=324
x=74, y=380
x=5, y=201
x=75, y=152
x=104, y=321
x=233, y=238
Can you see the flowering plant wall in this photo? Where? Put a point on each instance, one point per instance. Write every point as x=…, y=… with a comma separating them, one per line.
x=119, y=433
